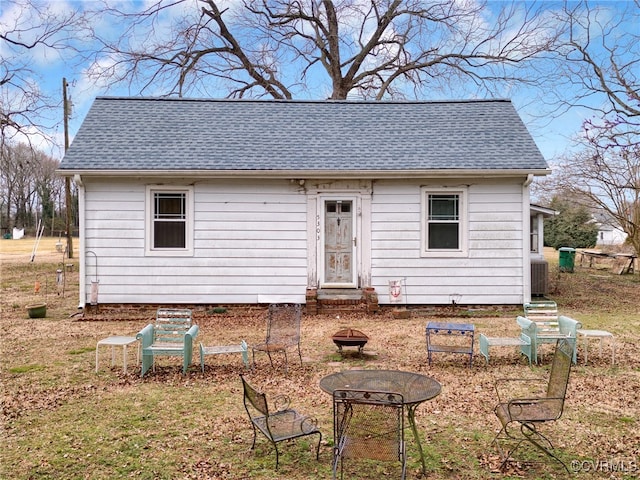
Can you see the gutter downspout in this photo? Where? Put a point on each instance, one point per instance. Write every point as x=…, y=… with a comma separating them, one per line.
x=526, y=230
x=528, y=181
x=82, y=287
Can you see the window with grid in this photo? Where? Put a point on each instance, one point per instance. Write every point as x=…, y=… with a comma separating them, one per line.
x=169, y=222
x=444, y=222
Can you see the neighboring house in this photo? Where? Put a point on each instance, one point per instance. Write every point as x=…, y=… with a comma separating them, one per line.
x=246, y=201
x=609, y=233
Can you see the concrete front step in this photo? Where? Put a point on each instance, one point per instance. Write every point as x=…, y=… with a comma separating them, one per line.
x=335, y=294
x=336, y=301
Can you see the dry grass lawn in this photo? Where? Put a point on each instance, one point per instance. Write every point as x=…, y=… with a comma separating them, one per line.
x=62, y=420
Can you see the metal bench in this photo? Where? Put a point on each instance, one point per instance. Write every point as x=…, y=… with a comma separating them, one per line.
x=522, y=341
x=225, y=349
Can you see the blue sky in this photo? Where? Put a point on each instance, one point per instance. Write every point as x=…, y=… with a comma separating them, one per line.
x=48, y=67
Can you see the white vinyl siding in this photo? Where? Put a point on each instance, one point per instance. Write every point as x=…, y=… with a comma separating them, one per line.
x=249, y=245
x=253, y=241
x=490, y=272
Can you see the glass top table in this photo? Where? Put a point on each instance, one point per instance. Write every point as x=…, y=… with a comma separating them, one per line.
x=414, y=387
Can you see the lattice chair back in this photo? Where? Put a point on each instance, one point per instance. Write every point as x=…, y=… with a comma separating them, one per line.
x=171, y=325
x=257, y=400
x=283, y=324
x=283, y=331
x=560, y=370
x=368, y=425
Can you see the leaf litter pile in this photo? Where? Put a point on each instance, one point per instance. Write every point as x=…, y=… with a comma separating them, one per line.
x=59, y=415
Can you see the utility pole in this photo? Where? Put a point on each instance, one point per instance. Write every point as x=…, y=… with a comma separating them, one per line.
x=67, y=180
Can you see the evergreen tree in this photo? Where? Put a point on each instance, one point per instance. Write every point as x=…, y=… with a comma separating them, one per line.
x=572, y=227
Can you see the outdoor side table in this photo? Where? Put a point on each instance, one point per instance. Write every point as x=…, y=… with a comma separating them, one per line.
x=115, y=342
x=441, y=337
x=599, y=334
x=225, y=349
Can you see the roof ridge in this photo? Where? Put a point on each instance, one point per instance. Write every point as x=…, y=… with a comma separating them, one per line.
x=298, y=100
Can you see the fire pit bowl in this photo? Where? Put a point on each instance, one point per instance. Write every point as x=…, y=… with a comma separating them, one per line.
x=350, y=337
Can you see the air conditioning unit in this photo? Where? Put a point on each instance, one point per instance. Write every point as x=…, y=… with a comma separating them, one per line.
x=539, y=277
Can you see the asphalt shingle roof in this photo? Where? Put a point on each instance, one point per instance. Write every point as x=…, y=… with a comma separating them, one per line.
x=122, y=134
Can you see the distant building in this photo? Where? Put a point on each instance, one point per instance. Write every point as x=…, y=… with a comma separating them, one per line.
x=609, y=233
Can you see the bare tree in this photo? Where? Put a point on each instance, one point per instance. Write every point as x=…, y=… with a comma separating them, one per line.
x=19, y=164
x=29, y=28
x=609, y=180
x=371, y=48
x=599, y=70
x=29, y=188
x=600, y=67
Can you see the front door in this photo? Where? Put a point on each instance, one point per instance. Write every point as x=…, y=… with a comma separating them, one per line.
x=338, y=243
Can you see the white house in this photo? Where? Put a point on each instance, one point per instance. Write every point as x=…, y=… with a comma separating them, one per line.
x=187, y=201
x=609, y=232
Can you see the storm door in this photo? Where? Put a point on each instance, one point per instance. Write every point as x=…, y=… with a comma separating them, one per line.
x=338, y=242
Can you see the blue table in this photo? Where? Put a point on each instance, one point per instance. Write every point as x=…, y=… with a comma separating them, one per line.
x=438, y=334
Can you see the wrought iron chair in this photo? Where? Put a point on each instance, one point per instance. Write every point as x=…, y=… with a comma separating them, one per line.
x=283, y=331
x=520, y=417
x=283, y=424
x=368, y=425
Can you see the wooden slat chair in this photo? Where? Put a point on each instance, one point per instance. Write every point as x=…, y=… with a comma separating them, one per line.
x=172, y=334
x=520, y=417
x=545, y=315
x=283, y=331
x=283, y=424
x=546, y=326
x=367, y=425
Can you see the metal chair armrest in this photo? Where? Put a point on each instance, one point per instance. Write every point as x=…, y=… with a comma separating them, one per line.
x=145, y=336
x=281, y=403
x=535, y=409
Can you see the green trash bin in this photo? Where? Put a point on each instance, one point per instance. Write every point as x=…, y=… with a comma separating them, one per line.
x=567, y=259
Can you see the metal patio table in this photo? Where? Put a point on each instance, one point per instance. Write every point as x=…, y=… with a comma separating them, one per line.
x=414, y=387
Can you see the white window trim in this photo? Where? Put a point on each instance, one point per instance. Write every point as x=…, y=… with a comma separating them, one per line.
x=169, y=252
x=463, y=251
